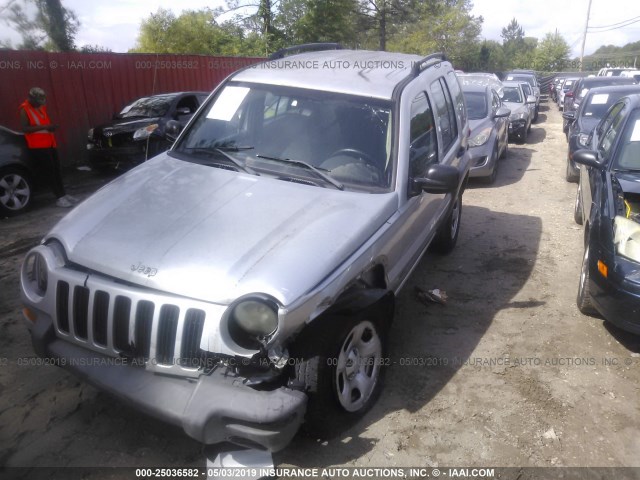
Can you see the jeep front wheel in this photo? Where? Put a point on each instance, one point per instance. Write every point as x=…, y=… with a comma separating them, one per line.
x=344, y=380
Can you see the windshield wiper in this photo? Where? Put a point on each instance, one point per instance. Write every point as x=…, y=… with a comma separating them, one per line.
x=233, y=148
x=302, y=163
x=225, y=155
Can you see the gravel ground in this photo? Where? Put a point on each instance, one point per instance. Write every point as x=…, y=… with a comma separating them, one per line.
x=507, y=374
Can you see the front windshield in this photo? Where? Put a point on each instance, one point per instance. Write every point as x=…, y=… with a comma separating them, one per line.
x=262, y=126
x=628, y=157
x=598, y=104
x=512, y=95
x=156, y=106
x=476, y=105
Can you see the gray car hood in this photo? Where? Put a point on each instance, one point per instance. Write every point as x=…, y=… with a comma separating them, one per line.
x=214, y=235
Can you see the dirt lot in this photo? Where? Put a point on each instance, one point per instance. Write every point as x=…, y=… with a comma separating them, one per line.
x=508, y=373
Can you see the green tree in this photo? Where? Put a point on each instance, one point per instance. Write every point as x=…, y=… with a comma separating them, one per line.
x=259, y=24
x=52, y=28
x=491, y=57
x=445, y=26
x=382, y=19
x=195, y=32
x=519, y=50
x=327, y=21
x=513, y=43
x=552, y=53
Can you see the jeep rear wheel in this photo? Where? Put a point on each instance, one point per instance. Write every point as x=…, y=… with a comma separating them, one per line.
x=344, y=380
x=447, y=235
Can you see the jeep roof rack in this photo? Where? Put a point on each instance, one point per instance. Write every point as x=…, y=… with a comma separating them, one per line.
x=426, y=62
x=306, y=47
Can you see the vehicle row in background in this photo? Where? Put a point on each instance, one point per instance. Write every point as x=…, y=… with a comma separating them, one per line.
x=581, y=122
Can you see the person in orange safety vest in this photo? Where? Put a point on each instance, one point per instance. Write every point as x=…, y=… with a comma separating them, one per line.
x=41, y=142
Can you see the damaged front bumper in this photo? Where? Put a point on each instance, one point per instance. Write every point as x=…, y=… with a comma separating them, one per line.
x=213, y=408
x=517, y=128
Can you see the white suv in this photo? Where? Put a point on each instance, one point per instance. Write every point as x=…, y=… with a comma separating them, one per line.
x=245, y=280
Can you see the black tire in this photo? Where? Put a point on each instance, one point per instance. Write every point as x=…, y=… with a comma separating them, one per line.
x=346, y=356
x=577, y=207
x=447, y=236
x=584, y=295
x=16, y=191
x=569, y=175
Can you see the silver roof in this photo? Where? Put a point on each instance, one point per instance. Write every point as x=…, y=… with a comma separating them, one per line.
x=355, y=72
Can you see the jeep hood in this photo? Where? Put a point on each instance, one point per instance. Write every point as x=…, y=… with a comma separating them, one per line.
x=214, y=235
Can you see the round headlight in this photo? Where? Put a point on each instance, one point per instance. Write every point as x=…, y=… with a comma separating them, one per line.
x=37, y=274
x=256, y=317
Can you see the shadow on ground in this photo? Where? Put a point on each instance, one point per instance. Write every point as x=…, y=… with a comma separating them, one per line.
x=481, y=277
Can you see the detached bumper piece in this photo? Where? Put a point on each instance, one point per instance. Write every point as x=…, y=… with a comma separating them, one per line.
x=212, y=408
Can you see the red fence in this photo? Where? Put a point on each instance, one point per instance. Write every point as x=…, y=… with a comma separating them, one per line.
x=85, y=90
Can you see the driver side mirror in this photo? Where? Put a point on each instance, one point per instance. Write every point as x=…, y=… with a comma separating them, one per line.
x=588, y=158
x=571, y=116
x=438, y=179
x=172, y=129
x=531, y=99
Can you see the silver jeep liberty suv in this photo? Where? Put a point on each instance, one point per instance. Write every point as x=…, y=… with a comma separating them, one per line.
x=243, y=282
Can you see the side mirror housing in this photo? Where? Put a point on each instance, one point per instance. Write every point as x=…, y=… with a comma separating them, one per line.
x=439, y=179
x=588, y=158
x=531, y=99
x=172, y=129
x=569, y=115
x=502, y=112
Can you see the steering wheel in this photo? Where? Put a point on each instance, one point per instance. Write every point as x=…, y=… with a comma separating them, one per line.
x=353, y=152
x=363, y=169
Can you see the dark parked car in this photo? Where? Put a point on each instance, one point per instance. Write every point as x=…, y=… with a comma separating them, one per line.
x=489, y=122
x=16, y=173
x=590, y=111
x=580, y=88
x=608, y=204
x=520, y=118
x=137, y=133
x=566, y=86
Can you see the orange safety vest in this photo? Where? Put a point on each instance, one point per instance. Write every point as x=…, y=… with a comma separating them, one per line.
x=38, y=116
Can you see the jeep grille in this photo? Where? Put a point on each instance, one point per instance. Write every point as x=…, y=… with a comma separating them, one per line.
x=162, y=335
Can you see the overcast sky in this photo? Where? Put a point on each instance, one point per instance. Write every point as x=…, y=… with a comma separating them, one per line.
x=115, y=23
